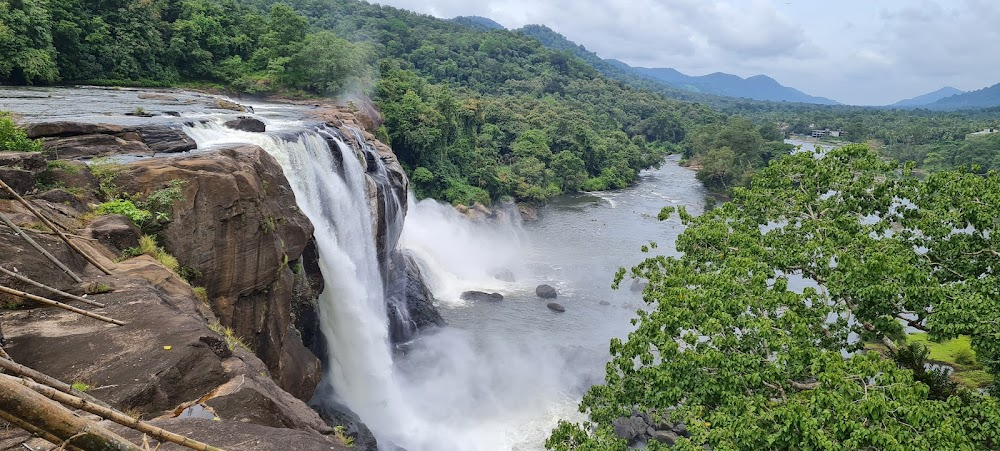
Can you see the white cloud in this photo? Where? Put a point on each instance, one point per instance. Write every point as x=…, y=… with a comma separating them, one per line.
x=858, y=51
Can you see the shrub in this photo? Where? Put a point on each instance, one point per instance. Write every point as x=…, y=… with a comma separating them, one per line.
x=127, y=208
x=13, y=138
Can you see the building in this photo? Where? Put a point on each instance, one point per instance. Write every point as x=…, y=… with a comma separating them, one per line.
x=828, y=132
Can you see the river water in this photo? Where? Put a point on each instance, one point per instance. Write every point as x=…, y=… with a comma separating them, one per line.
x=503, y=373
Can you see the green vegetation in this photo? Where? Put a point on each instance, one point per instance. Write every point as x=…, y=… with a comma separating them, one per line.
x=748, y=363
x=959, y=355
x=124, y=207
x=201, y=294
x=80, y=386
x=341, y=433
x=12, y=137
x=233, y=341
x=148, y=246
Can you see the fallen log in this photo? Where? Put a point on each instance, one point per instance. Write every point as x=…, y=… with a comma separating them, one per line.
x=50, y=420
x=47, y=301
x=118, y=417
x=54, y=228
x=39, y=248
x=9, y=364
x=48, y=288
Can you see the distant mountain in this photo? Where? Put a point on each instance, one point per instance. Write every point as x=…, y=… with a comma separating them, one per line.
x=928, y=98
x=759, y=87
x=478, y=22
x=983, y=98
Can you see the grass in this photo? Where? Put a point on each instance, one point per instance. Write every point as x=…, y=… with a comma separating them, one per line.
x=98, y=288
x=341, y=435
x=80, y=386
x=958, y=354
x=148, y=246
x=233, y=341
x=202, y=294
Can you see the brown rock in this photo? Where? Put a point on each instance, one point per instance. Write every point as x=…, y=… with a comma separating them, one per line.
x=65, y=128
x=23, y=182
x=157, y=96
x=115, y=231
x=92, y=146
x=28, y=161
x=528, y=213
x=238, y=225
x=247, y=124
x=163, y=139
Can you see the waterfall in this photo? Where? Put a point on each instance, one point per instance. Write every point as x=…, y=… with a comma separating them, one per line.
x=451, y=392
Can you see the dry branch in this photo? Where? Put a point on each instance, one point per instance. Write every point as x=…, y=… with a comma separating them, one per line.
x=48, y=288
x=54, y=228
x=118, y=417
x=39, y=248
x=47, y=301
x=53, y=422
x=10, y=365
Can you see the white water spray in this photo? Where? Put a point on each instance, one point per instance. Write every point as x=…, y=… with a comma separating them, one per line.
x=449, y=392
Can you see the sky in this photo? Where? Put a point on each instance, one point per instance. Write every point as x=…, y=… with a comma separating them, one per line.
x=861, y=52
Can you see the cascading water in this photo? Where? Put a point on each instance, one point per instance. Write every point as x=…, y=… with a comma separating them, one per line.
x=450, y=392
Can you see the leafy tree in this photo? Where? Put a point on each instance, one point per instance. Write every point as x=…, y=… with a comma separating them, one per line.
x=26, y=51
x=760, y=335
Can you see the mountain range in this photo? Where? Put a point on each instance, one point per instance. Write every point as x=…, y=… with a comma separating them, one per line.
x=715, y=87
x=928, y=98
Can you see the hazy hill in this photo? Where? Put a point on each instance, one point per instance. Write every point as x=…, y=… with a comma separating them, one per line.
x=983, y=98
x=928, y=98
x=478, y=22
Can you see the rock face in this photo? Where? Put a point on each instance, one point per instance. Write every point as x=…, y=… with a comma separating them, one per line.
x=239, y=227
x=480, y=296
x=164, y=359
x=247, y=124
x=420, y=315
x=73, y=140
x=545, y=291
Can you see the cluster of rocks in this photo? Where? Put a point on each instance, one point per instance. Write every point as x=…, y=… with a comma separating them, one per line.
x=643, y=427
x=75, y=140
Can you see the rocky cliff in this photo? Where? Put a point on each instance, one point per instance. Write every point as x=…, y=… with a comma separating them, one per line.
x=236, y=231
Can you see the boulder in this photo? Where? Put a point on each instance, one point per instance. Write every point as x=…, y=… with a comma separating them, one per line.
x=33, y=162
x=23, y=182
x=420, y=312
x=92, y=146
x=115, y=231
x=528, y=213
x=249, y=230
x=545, y=291
x=481, y=296
x=164, y=139
x=504, y=275
x=556, y=307
x=247, y=124
x=629, y=429
x=157, y=96
x=664, y=437
x=638, y=285
x=66, y=128
x=604, y=303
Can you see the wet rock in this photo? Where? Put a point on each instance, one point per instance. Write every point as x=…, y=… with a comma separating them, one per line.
x=163, y=139
x=481, y=296
x=528, y=213
x=638, y=285
x=545, y=291
x=682, y=430
x=604, y=303
x=224, y=104
x=157, y=96
x=409, y=286
x=556, y=307
x=66, y=128
x=504, y=275
x=247, y=124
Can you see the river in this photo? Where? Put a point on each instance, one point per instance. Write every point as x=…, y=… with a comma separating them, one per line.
x=503, y=373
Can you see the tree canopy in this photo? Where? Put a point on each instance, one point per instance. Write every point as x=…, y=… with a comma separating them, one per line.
x=783, y=324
